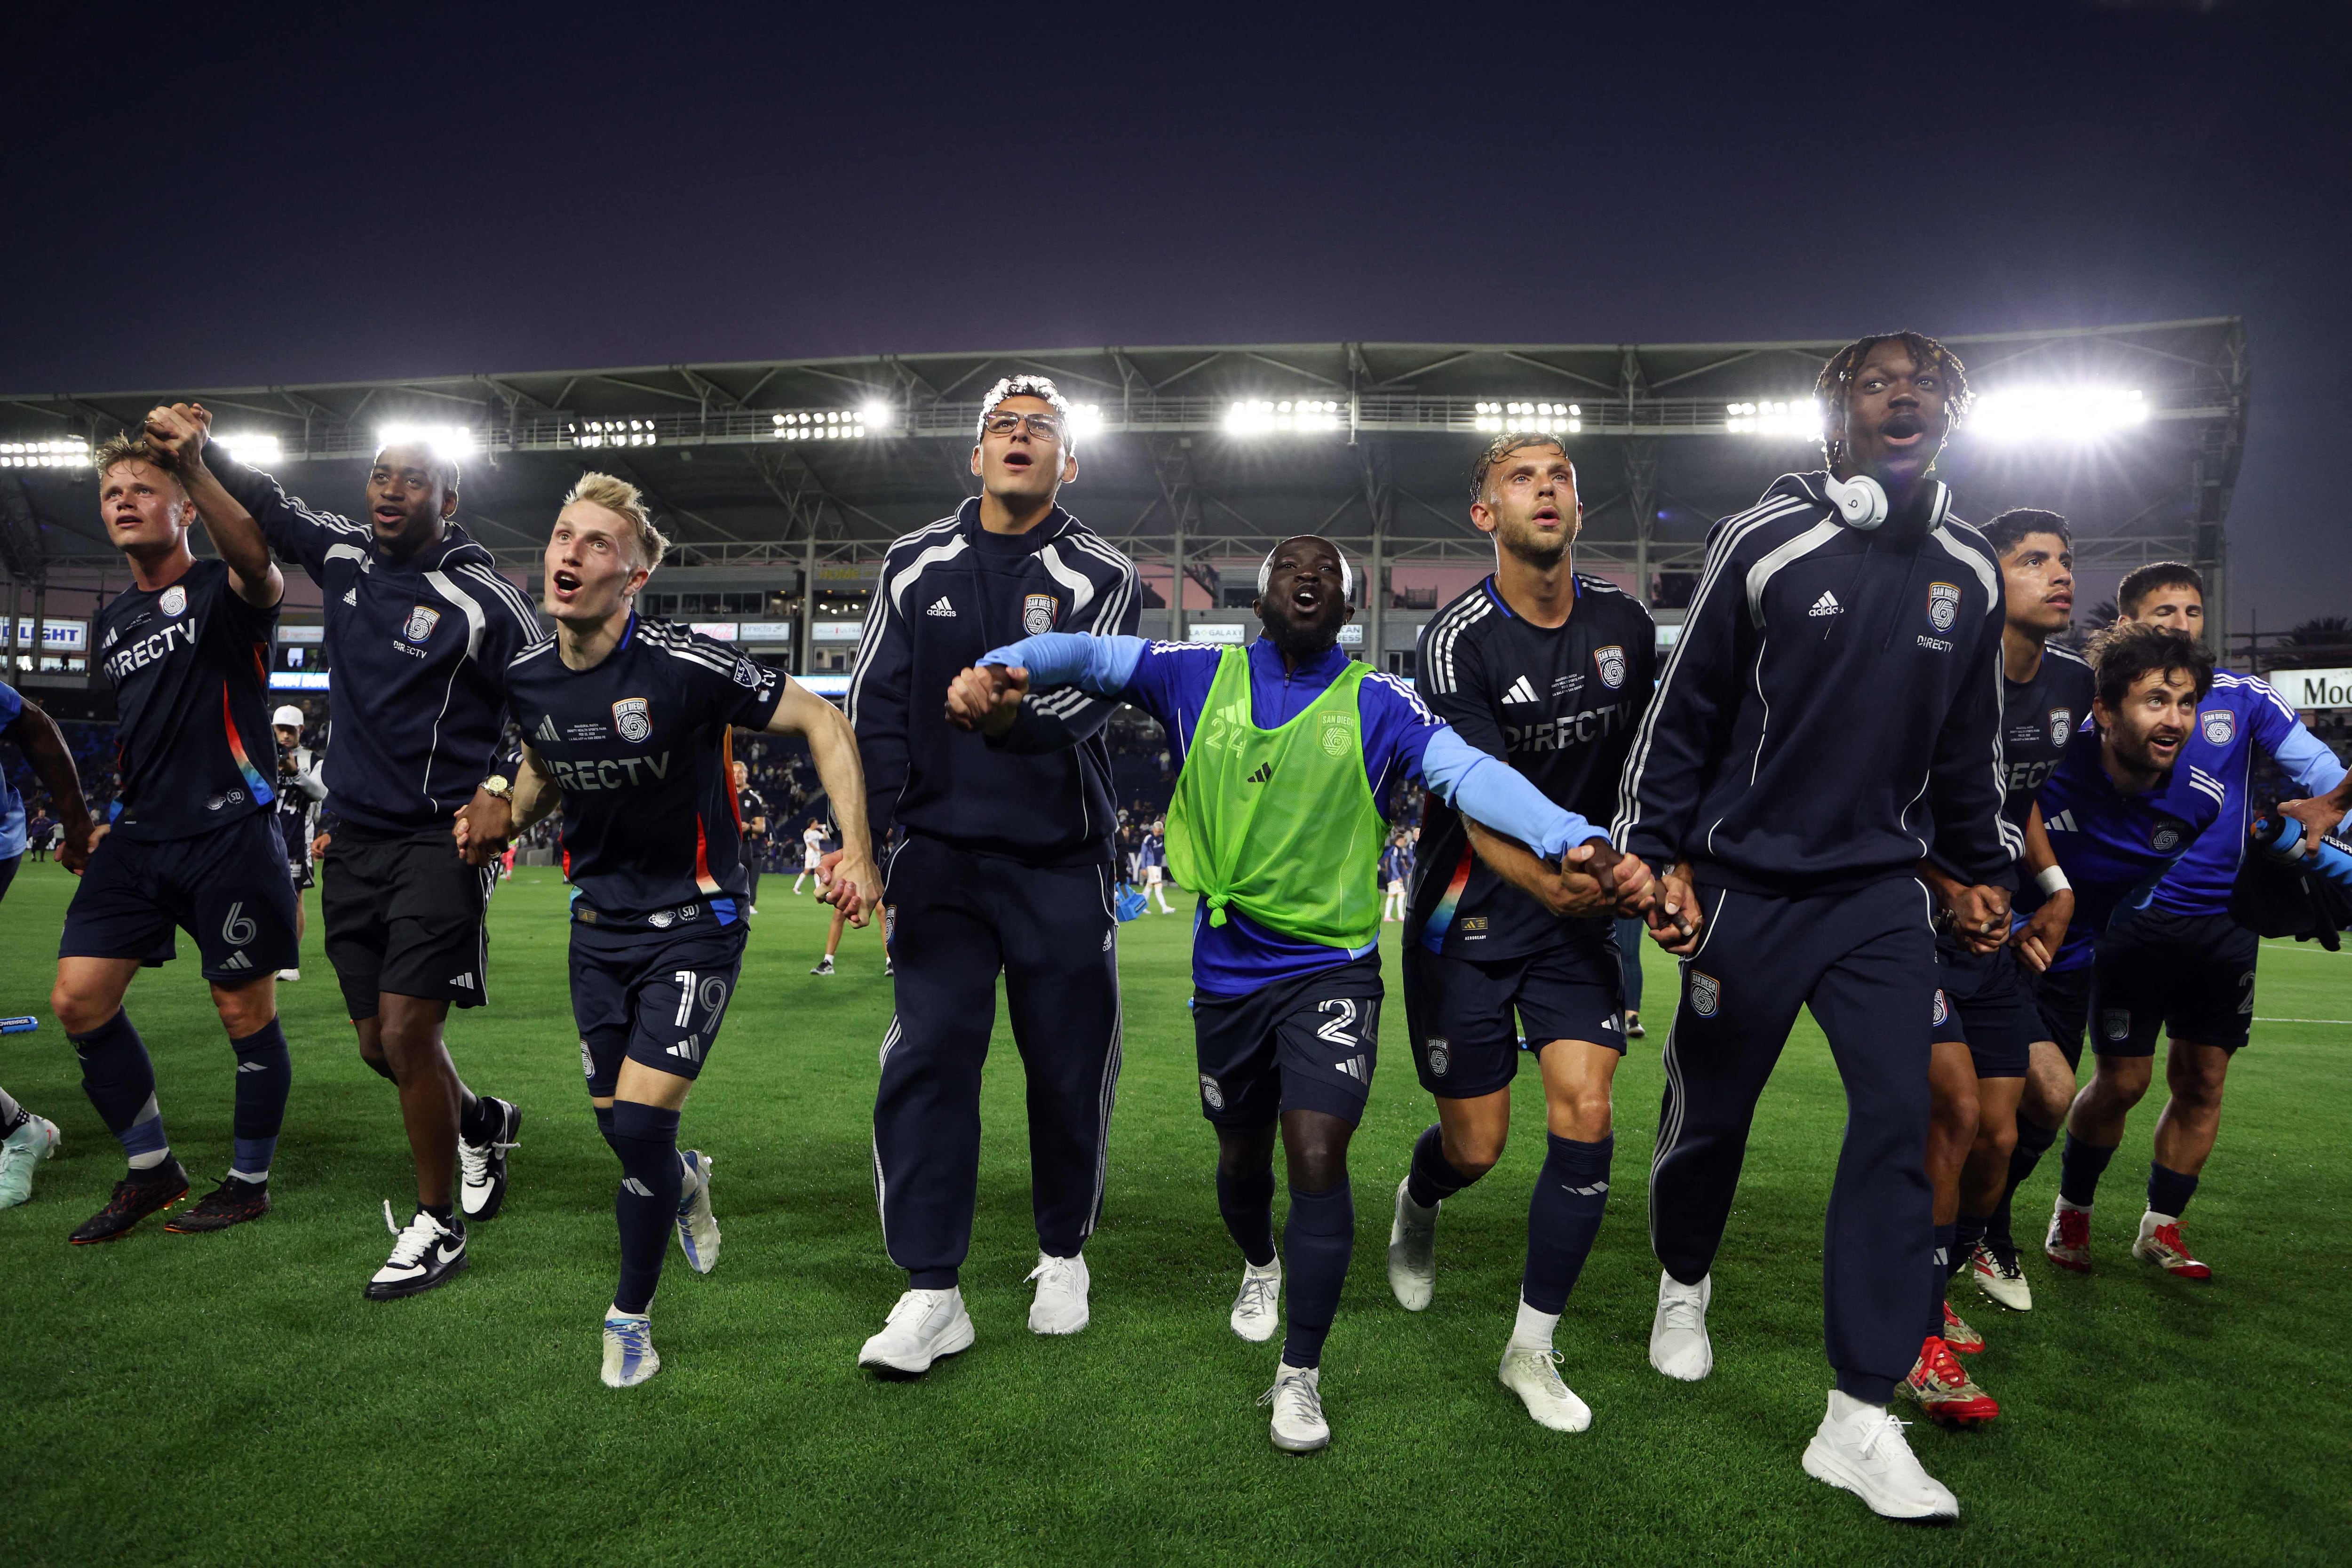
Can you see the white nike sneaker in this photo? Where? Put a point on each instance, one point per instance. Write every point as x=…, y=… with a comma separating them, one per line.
x=22, y=1150
x=1534, y=1375
x=697, y=1227
x=423, y=1255
x=1861, y=1448
x=1678, y=1341
x=1412, y=1252
x=630, y=1358
x=1256, y=1312
x=924, y=1326
x=482, y=1167
x=1298, y=1426
x=1061, y=1304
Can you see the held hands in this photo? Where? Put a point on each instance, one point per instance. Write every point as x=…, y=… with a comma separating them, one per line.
x=2045, y=932
x=987, y=697
x=1674, y=918
x=180, y=430
x=481, y=827
x=75, y=844
x=1622, y=882
x=850, y=885
x=1980, y=916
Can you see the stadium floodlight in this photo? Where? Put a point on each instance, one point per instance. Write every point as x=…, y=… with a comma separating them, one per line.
x=877, y=415
x=613, y=433
x=1540, y=417
x=68, y=452
x=253, y=449
x=1259, y=415
x=2055, y=412
x=1794, y=418
x=823, y=424
x=447, y=441
x=1086, y=418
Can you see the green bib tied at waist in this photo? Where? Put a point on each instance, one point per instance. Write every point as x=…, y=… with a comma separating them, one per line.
x=1281, y=824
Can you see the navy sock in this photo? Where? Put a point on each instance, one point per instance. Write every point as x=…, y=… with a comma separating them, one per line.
x=605, y=1127
x=1247, y=1204
x=2169, y=1190
x=2032, y=1143
x=120, y=1083
x=1942, y=1274
x=2079, y=1170
x=477, y=1123
x=265, y=1074
x=1965, y=1236
x=1317, y=1241
x=1431, y=1178
x=1563, y=1216
x=645, y=1137
x=446, y=1214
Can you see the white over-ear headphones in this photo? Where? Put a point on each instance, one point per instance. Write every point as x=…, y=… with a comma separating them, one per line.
x=1861, y=501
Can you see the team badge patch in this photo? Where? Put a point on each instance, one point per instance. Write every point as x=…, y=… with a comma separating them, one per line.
x=661, y=919
x=631, y=719
x=421, y=621
x=1441, y=1056
x=1037, y=613
x=1610, y=661
x=2169, y=832
x=174, y=600
x=2219, y=724
x=1706, y=994
x=747, y=674
x=2115, y=1024
x=1943, y=1008
x=2061, y=724
x=1339, y=734
x=1943, y=604
x=587, y=1062
x=1211, y=1095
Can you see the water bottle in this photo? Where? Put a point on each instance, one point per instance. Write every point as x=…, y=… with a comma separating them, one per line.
x=2281, y=838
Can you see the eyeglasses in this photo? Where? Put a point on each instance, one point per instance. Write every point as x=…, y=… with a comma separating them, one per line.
x=1045, y=427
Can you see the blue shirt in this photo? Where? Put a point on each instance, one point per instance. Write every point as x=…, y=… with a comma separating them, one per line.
x=2241, y=712
x=12, y=804
x=2114, y=847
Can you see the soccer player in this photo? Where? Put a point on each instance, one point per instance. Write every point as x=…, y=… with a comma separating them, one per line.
x=27, y=1140
x=187, y=649
x=812, y=854
x=1154, y=857
x=2182, y=965
x=1549, y=670
x=1286, y=750
x=1392, y=878
x=1836, y=690
x=627, y=723
x=751, y=810
x=299, y=791
x=1005, y=868
x=419, y=630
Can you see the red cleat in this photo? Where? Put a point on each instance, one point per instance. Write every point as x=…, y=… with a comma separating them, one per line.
x=1944, y=1390
x=2160, y=1243
x=2069, y=1243
x=1958, y=1335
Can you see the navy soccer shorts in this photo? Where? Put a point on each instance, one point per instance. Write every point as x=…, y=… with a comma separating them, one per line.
x=656, y=998
x=1307, y=1044
x=2188, y=976
x=406, y=915
x=1982, y=1001
x=1459, y=1010
x=2065, y=998
x=228, y=889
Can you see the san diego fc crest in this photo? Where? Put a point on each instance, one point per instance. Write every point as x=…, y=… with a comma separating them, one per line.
x=421, y=621
x=1706, y=994
x=1037, y=613
x=2061, y=724
x=1943, y=604
x=2219, y=725
x=1610, y=662
x=631, y=719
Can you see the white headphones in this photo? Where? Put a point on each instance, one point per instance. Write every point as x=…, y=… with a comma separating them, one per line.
x=1861, y=501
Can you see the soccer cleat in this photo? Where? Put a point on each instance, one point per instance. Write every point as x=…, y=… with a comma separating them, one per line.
x=1060, y=1307
x=1298, y=1426
x=1634, y=1030
x=1412, y=1252
x=1256, y=1308
x=1958, y=1335
x=889, y=968
x=136, y=1196
x=22, y=1150
x=1861, y=1448
x=423, y=1256
x=1533, y=1375
x=630, y=1358
x=1678, y=1343
x=1995, y=1268
x=697, y=1227
x=234, y=1201
x=2159, y=1243
x=482, y=1167
x=1944, y=1389
x=824, y=965
x=2068, y=1244
x=924, y=1326
x=290, y=975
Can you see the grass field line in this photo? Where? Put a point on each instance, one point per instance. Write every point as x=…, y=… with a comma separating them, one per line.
x=2303, y=1020
x=2300, y=947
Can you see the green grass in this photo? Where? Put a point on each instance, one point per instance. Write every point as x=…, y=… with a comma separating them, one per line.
x=231, y=1398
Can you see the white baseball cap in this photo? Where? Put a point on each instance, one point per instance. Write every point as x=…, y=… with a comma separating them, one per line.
x=290, y=714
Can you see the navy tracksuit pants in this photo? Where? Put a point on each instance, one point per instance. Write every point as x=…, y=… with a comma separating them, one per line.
x=956, y=920
x=1866, y=964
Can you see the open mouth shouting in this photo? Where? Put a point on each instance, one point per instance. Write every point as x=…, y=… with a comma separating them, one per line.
x=1903, y=430
x=563, y=585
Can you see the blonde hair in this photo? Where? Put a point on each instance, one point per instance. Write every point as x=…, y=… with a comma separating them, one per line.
x=130, y=448
x=624, y=500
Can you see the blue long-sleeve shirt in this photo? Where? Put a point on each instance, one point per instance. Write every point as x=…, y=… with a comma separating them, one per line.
x=2239, y=714
x=1402, y=739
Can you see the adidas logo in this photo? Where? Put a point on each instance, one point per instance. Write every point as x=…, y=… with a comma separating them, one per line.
x=462, y=982
x=630, y=1185
x=547, y=729
x=2062, y=822
x=1520, y=691
x=238, y=960
x=252, y=1067
x=1826, y=605
x=1265, y=774
x=939, y=606
x=1354, y=1068
x=689, y=1047
x=1594, y=1190
x=351, y=595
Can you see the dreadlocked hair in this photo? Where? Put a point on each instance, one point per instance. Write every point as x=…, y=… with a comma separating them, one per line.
x=1831, y=388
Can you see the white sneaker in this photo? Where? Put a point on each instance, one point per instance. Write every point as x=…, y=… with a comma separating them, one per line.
x=1861, y=1448
x=424, y=1253
x=1256, y=1312
x=924, y=1326
x=629, y=1355
x=1061, y=1304
x=824, y=966
x=22, y=1150
x=697, y=1227
x=754, y=908
x=1999, y=1276
x=1533, y=1375
x=290, y=975
x=1298, y=1426
x=1412, y=1252
x=1678, y=1343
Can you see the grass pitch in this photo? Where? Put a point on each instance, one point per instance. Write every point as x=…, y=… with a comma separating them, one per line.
x=231, y=1398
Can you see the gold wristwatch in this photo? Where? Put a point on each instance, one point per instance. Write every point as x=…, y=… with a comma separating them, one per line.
x=499, y=786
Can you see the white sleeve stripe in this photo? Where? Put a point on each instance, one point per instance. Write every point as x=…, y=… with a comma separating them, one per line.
x=507, y=593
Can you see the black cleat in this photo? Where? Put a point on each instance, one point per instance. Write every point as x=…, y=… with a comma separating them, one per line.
x=482, y=1167
x=136, y=1196
x=426, y=1254
x=234, y=1201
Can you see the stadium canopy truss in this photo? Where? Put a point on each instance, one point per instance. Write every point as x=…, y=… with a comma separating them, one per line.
x=1195, y=459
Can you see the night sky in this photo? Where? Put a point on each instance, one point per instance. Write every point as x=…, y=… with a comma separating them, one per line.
x=209, y=196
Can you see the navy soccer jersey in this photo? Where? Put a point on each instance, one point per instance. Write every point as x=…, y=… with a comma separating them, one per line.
x=1561, y=705
x=2114, y=846
x=2039, y=718
x=638, y=745
x=189, y=664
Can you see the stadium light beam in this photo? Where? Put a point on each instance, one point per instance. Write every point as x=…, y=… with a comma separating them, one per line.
x=69, y=452
x=2055, y=412
x=823, y=424
x=1794, y=418
x=1086, y=419
x=447, y=441
x=1260, y=416
x=253, y=449
x=613, y=433
x=1538, y=417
